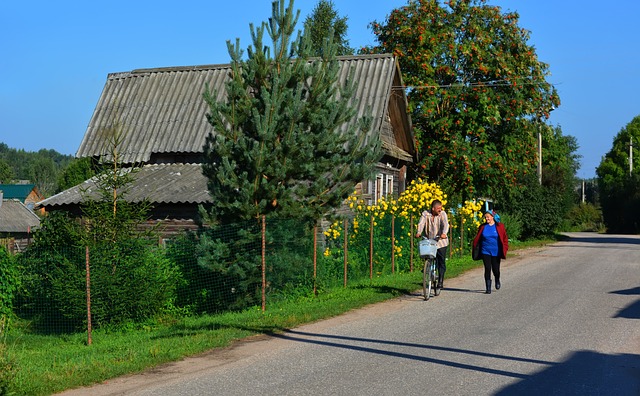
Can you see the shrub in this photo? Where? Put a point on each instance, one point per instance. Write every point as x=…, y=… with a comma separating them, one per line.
x=585, y=217
x=538, y=209
x=130, y=281
x=9, y=281
x=513, y=224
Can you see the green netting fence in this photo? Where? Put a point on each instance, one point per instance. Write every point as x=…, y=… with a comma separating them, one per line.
x=224, y=268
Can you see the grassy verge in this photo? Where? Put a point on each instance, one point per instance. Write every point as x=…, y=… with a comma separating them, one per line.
x=48, y=364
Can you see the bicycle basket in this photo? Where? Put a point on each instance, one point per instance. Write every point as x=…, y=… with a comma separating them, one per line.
x=428, y=248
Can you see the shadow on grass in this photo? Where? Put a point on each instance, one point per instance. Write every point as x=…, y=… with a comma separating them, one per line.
x=394, y=291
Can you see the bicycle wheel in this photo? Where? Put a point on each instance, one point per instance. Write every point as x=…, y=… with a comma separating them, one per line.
x=426, y=280
x=434, y=280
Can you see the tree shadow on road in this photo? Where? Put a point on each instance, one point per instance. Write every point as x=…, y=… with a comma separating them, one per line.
x=631, y=311
x=377, y=346
x=583, y=373
x=604, y=238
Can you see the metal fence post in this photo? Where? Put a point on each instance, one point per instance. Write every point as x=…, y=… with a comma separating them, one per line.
x=411, y=242
x=264, y=264
x=88, y=296
x=315, y=260
x=371, y=249
x=346, y=253
x=393, y=244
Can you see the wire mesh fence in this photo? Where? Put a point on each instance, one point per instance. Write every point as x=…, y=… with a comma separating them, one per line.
x=224, y=268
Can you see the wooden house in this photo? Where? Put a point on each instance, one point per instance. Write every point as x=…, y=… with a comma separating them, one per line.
x=28, y=194
x=163, y=117
x=17, y=222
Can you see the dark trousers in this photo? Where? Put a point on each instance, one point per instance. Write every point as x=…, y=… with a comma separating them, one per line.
x=441, y=262
x=491, y=263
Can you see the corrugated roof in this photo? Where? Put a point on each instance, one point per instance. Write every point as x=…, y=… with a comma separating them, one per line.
x=162, y=110
x=16, y=217
x=163, y=183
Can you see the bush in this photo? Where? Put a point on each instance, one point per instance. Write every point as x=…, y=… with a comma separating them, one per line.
x=585, y=217
x=9, y=281
x=130, y=281
x=220, y=267
x=513, y=224
x=539, y=209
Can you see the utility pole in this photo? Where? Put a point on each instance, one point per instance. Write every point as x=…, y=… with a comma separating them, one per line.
x=540, y=156
x=630, y=155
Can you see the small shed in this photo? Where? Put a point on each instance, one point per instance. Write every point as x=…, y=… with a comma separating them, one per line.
x=17, y=223
x=28, y=194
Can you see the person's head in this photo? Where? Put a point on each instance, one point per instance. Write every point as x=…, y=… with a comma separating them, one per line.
x=488, y=217
x=436, y=207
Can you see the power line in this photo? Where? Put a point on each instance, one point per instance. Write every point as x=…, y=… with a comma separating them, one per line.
x=482, y=84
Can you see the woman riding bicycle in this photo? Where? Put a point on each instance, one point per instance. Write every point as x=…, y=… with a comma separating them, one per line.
x=436, y=225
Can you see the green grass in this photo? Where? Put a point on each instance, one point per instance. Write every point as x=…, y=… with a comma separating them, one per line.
x=47, y=364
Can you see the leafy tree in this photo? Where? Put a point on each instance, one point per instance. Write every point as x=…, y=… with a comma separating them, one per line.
x=323, y=19
x=620, y=190
x=43, y=173
x=286, y=139
x=41, y=168
x=533, y=206
x=76, y=172
x=559, y=168
x=477, y=91
x=591, y=192
x=6, y=173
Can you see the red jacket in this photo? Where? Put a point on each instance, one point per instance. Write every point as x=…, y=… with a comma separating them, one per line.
x=503, y=239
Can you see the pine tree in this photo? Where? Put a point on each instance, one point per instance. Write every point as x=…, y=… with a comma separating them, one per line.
x=286, y=137
x=323, y=20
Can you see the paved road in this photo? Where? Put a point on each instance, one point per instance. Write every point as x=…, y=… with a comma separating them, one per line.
x=566, y=322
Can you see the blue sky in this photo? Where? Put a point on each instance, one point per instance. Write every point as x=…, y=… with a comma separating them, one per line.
x=56, y=56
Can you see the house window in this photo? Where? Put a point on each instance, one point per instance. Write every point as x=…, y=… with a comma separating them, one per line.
x=380, y=187
x=389, y=187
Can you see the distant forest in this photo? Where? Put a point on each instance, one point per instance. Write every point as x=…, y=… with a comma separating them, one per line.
x=43, y=168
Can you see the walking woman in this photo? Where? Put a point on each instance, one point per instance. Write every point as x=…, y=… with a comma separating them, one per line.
x=491, y=244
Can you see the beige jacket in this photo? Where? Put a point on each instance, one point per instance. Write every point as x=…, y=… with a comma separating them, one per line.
x=434, y=226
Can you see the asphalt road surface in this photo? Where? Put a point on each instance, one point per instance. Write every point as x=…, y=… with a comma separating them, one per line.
x=565, y=322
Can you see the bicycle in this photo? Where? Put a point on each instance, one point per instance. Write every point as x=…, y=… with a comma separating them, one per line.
x=428, y=251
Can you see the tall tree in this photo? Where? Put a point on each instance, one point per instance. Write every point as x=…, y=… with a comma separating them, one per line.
x=324, y=19
x=477, y=91
x=41, y=168
x=286, y=138
x=6, y=172
x=79, y=170
x=619, y=181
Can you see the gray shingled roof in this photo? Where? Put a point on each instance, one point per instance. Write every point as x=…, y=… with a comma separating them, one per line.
x=162, y=110
x=15, y=217
x=163, y=183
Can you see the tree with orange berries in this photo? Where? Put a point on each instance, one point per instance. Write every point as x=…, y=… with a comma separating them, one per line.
x=477, y=92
